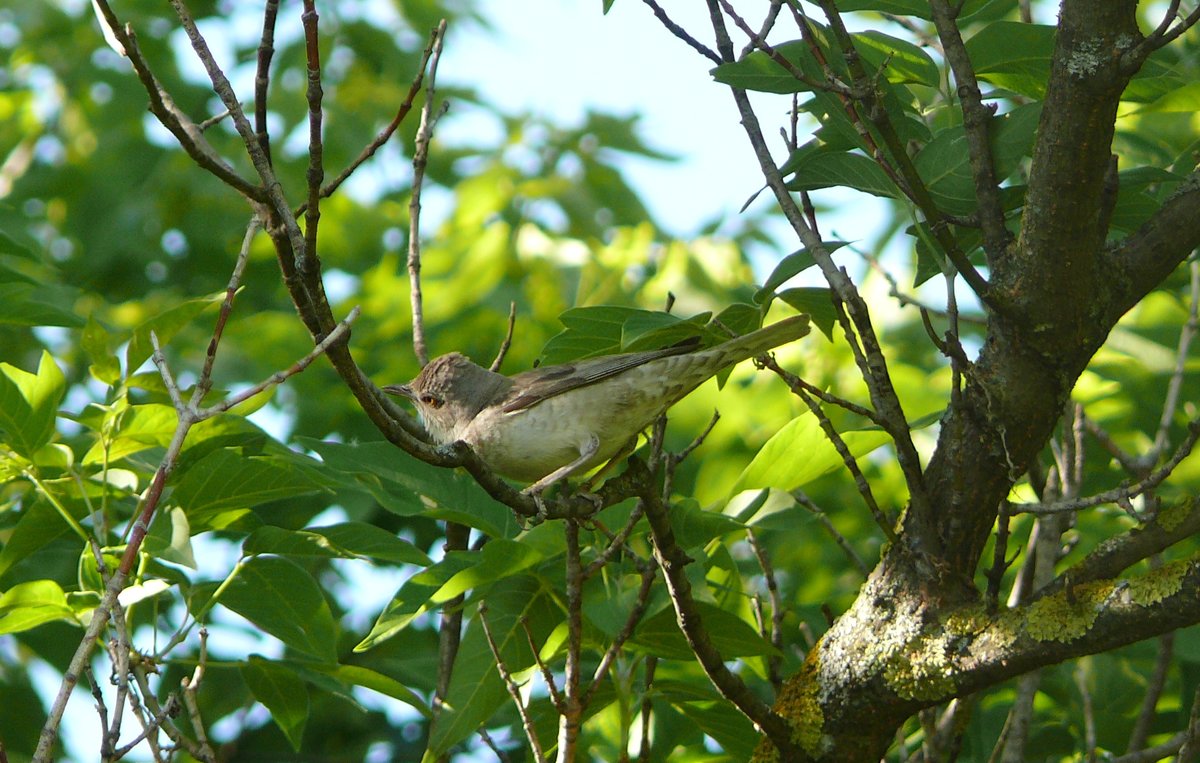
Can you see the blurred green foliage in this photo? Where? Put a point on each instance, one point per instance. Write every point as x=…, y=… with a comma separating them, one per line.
x=286, y=508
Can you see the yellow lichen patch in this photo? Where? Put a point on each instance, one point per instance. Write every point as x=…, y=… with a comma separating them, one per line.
x=799, y=704
x=1068, y=614
x=967, y=621
x=1157, y=585
x=921, y=672
x=1171, y=517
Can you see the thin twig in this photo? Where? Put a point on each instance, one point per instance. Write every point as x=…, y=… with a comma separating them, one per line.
x=1186, y=335
x=884, y=521
x=682, y=33
x=673, y=562
x=315, y=174
x=757, y=41
x=1119, y=495
x=511, y=686
x=615, y=544
x=162, y=105
x=797, y=384
x=805, y=501
x=976, y=124
x=419, y=162
x=386, y=133
x=775, y=662
x=571, y=719
x=508, y=335
x=1154, y=689
x=631, y=622
x=262, y=76
x=556, y=697
x=279, y=377
x=1089, y=715
x=644, y=752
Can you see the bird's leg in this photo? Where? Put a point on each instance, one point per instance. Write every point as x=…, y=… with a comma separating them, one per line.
x=619, y=456
x=586, y=451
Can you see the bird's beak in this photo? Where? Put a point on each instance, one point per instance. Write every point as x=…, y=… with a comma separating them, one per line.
x=400, y=390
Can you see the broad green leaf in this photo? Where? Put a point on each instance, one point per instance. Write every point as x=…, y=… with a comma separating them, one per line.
x=357, y=675
x=799, y=453
x=475, y=691
x=905, y=62
x=792, y=265
x=29, y=404
x=694, y=527
x=165, y=325
x=660, y=636
x=825, y=170
x=38, y=526
x=229, y=479
x=646, y=330
x=282, y=693
x=281, y=598
x=27, y=605
x=1013, y=55
x=757, y=71
x=609, y=329
x=43, y=304
x=95, y=342
x=945, y=163
x=724, y=723
x=740, y=318
x=500, y=558
x=410, y=487
x=170, y=538
x=350, y=540
x=915, y=8
x=414, y=598
x=817, y=301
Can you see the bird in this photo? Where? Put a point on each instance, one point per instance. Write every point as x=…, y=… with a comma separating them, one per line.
x=548, y=423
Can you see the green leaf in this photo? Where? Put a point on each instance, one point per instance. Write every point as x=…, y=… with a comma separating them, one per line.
x=905, y=62
x=351, y=540
x=357, y=675
x=27, y=605
x=29, y=404
x=790, y=266
x=170, y=538
x=1013, y=55
x=659, y=635
x=475, y=691
x=414, y=597
x=95, y=342
x=498, y=559
x=740, y=318
x=817, y=301
x=826, y=169
x=694, y=527
x=757, y=71
x=38, y=526
x=799, y=453
x=724, y=723
x=282, y=599
x=165, y=325
x=648, y=330
x=610, y=329
x=42, y=304
x=410, y=487
x=945, y=162
x=229, y=479
x=282, y=693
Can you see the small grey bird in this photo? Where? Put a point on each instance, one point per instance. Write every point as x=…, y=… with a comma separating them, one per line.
x=550, y=422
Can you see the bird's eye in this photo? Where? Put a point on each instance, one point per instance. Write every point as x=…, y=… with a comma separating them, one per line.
x=432, y=401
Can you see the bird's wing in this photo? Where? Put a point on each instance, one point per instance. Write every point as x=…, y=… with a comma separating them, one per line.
x=532, y=387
